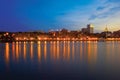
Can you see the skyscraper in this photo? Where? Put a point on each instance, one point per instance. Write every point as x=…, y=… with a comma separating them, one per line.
x=90, y=28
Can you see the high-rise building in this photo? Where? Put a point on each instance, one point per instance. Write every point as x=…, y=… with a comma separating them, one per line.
x=90, y=28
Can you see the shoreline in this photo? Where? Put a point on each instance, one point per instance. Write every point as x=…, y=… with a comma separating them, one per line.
x=104, y=40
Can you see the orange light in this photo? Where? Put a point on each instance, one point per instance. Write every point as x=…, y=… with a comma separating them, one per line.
x=7, y=33
x=7, y=53
x=45, y=38
x=68, y=38
x=31, y=38
x=24, y=50
x=16, y=38
x=39, y=51
x=4, y=34
x=39, y=38
x=58, y=38
x=38, y=42
x=24, y=38
x=73, y=38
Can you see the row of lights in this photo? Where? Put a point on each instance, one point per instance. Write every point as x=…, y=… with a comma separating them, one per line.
x=56, y=38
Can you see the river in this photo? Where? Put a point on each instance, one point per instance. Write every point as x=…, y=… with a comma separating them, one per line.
x=60, y=60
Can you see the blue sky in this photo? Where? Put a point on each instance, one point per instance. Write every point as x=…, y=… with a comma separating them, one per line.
x=28, y=15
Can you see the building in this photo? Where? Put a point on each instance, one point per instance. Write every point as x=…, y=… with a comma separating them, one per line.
x=106, y=33
x=90, y=28
x=116, y=34
x=84, y=30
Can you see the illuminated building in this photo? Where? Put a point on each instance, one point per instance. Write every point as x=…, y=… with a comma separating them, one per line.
x=90, y=28
x=106, y=33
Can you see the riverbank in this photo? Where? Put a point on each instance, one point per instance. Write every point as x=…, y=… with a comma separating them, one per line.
x=63, y=39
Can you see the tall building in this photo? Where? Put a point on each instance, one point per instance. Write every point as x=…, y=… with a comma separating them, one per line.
x=90, y=28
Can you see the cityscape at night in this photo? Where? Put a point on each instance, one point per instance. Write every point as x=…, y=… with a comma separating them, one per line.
x=85, y=34
x=59, y=39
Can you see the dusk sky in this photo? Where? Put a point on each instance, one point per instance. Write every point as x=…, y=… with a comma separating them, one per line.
x=29, y=15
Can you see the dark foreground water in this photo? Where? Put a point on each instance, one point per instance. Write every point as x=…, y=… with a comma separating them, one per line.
x=63, y=60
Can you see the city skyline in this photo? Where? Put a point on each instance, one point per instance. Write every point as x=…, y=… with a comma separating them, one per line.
x=45, y=15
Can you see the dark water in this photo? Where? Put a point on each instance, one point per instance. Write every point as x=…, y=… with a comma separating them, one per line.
x=63, y=60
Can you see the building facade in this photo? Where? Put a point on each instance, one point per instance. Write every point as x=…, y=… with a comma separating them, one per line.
x=90, y=28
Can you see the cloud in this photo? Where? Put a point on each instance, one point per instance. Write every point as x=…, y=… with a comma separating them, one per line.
x=113, y=1
x=104, y=10
x=101, y=8
x=101, y=13
x=107, y=14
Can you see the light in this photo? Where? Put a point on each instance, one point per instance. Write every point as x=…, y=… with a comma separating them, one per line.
x=45, y=38
x=39, y=38
x=68, y=38
x=25, y=38
x=50, y=38
x=73, y=38
x=38, y=42
x=16, y=38
x=45, y=42
x=7, y=53
x=7, y=33
x=58, y=38
x=31, y=38
x=20, y=38
x=54, y=34
x=91, y=25
x=4, y=34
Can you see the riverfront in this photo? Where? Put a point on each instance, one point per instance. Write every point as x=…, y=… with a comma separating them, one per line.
x=61, y=35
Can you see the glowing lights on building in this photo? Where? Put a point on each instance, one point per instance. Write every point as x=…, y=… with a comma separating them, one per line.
x=90, y=28
x=86, y=34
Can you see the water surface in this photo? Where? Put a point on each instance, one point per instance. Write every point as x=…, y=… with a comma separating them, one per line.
x=60, y=60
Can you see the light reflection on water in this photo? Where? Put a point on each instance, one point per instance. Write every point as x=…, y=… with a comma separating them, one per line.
x=73, y=57
x=53, y=50
x=7, y=53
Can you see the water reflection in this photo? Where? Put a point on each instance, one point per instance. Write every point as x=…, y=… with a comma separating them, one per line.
x=13, y=50
x=45, y=50
x=24, y=50
x=112, y=50
x=17, y=50
x=92, y=51
x=58, y=46
x=53, y=50
x=58, y=57
x=73, y=48
x=68, y=50
x=20, y=48
x=39, y=50
x=7, y=55
x=81, y=51
x=31, y=50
